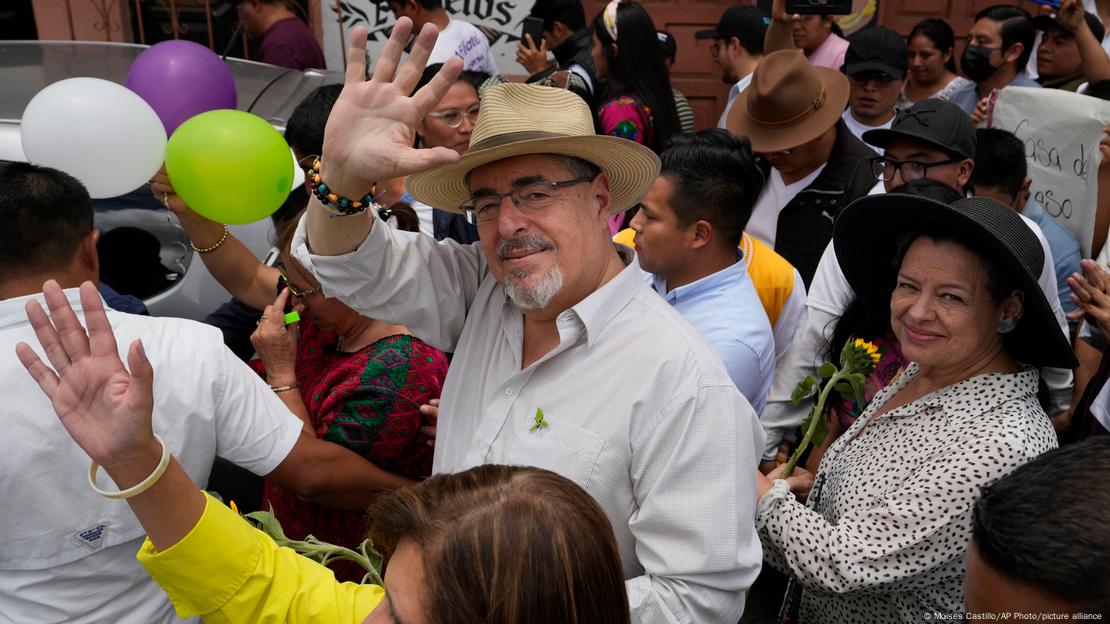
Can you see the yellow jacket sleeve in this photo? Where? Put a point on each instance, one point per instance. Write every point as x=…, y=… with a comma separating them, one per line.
x=227, y=571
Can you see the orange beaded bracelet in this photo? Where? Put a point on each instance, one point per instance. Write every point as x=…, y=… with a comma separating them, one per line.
x=339, y=206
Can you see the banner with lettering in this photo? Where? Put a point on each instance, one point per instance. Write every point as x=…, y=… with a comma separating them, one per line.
x=500, y=20
x=1061, y=131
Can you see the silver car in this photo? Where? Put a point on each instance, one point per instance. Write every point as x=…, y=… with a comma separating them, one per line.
x=144, y=251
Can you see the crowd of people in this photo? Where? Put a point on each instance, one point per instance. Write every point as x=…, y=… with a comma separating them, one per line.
x=541, y=341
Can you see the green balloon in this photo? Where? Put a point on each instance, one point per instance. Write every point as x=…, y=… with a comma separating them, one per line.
x=230, y=166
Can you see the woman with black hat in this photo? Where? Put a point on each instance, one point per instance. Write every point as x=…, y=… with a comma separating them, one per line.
x=882, y=535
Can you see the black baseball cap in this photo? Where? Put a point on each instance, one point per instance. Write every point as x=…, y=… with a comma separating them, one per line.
x=667, y=42
x=877, y=49
x=1044, y=22
x=745, y=22
x=936, y=122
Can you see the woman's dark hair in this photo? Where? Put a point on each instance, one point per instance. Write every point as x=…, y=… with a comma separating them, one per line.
x=637, y=68
x=407, y=219
x=503, y=545
x=940, y=33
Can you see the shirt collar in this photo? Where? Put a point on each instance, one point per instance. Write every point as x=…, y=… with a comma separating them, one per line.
x=597, y=309
x=13, y=311
x=1033, y=209
x=961, y=401
x=732, y=275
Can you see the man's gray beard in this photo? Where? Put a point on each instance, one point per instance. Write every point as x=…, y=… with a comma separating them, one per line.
x=537, y=295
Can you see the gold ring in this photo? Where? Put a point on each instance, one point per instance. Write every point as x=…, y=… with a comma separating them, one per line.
x=261, y=320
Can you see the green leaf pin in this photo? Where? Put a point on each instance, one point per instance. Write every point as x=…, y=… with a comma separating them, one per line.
x=540, y=422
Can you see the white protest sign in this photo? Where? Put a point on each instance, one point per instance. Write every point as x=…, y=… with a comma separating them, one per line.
x=500, y=20
x=1061, y=131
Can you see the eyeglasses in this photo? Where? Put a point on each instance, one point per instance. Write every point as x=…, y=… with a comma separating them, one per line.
x=884, y=168
x=532, y=197
x=293, y=290
x=453, y=117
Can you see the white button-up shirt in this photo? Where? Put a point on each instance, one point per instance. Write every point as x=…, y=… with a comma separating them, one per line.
x=640, y=410
x=67, y=553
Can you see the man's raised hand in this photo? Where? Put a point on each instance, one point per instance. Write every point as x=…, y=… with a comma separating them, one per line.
x=370, y=132
x=106, y=409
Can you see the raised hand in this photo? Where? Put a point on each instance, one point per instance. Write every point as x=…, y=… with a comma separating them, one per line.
x=276, y=343
x=1070, y=14
x=370, y=132
x=106, y=409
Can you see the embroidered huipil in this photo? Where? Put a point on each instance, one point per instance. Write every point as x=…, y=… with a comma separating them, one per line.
x=889, y=518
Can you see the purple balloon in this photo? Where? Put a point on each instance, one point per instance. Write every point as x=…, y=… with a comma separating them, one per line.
x=181, y=79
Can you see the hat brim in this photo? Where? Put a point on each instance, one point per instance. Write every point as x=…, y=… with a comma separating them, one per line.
x=865, y=239
x=712, y=33
x=857, y=68
x=883, y=137
x=764, y=139
x=630, y=168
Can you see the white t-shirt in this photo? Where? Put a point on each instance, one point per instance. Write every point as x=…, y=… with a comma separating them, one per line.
x=764, y=223
x=464, y=40
x=68, y=554
x=858, y=128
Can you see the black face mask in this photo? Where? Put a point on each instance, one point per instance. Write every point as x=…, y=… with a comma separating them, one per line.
x=976, y=63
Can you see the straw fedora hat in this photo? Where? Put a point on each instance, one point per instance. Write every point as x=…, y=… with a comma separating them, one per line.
x=789, y=102
x=521, y=119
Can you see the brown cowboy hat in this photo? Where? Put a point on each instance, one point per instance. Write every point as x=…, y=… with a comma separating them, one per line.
x=521, y=119
x=788, y=103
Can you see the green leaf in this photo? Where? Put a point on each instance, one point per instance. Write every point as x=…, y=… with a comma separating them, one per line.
x=828, y=369
x=803, y=390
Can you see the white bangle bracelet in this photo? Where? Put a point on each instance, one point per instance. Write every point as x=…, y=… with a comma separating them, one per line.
x=140, y=487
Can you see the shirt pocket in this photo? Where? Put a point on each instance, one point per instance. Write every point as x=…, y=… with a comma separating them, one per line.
x=560, y=447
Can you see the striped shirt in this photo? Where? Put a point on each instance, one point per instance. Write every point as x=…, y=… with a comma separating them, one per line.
x=639, y=408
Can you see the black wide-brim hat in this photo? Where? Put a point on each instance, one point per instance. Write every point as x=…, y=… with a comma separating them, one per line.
x=866, y=237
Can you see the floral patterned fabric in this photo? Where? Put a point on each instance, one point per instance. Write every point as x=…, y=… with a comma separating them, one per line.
x=628, y=118
x=368, y=402
x=891, y=364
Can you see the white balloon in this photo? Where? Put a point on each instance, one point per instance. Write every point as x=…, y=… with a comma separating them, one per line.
x=99, y=132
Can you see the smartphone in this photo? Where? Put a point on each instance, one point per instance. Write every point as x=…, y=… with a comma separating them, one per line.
x=1050, y=3
x=819, y=7
x=532, y=26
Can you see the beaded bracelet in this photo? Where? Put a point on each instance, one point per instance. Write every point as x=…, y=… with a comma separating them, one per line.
x=213, y=247
x=337, y=205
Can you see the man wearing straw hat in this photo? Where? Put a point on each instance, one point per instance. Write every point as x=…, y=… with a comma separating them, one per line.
x=564, y=358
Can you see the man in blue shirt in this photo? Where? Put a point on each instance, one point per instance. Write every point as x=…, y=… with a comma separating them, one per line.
x=999, y=45
x=687, y=232
x=1000, y=173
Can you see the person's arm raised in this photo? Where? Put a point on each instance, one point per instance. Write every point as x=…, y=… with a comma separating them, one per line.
x=107, y=409
x=780, y=34
x=233, y=265
x=370, y=131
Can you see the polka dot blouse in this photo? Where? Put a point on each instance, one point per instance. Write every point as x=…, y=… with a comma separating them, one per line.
x=883, y=536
